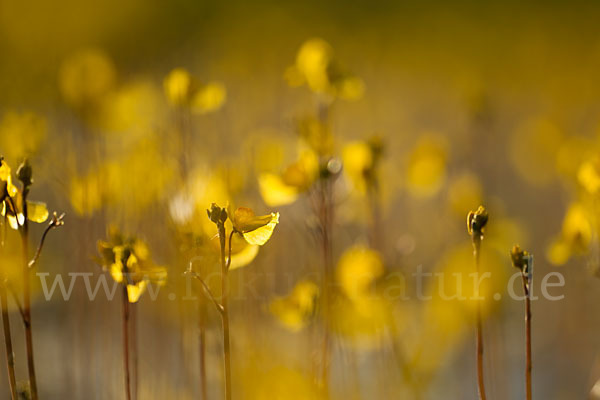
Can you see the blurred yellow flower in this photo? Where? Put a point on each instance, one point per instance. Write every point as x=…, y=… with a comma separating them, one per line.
x=209, y=98
x=575, y=237
x=316, y=67
x=426, y=170
x=183, y=90
x=588, y=176
x=284, y=189
x=178, y=86
x=295, y=310
x=127, y=261
x=86, y=76
x=21, y=134
x=357, y=269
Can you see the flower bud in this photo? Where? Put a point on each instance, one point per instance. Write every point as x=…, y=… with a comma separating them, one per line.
x=476, y=221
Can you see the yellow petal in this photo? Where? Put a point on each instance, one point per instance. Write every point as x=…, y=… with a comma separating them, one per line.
x=116, y=271
x=135, y=291
x=244, y=257
x=261, y=235
x=274, y=191
x=37, y=211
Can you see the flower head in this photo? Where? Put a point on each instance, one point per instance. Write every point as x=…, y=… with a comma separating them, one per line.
x=13, y=203
x=127, y=260
x=256, y=230
x=520, y=259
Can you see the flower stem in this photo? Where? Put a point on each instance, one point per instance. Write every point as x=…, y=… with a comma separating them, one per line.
x=202, y=340
x=125, y=304
x=528, y=338
x=326, y=221
x=27, y=310
x=10, y=356
x=479, y=330
x=225, y=308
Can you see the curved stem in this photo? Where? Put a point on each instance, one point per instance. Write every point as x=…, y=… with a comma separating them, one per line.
x=528, y=338
x=10, y=356
x=125, y=305
x=478, y=324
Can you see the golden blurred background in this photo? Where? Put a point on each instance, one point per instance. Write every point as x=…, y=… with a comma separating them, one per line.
x=381, y=123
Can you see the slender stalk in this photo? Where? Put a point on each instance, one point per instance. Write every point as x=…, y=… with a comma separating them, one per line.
x=10, y=356
x=202, y=340
x=225, y=309
x=134, y=341
x=325, y=219
x=125, y=305
x=528, y=338
x=27, y=309
x=479, y=330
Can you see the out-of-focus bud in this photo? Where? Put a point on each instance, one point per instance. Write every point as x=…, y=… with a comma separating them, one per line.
x=520, y=258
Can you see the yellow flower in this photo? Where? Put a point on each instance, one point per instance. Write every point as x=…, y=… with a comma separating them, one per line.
x=178, y=86
x=256, y=230
x=575, y=237
x=209, y=98
x=295, y=310
x=588, y=176
x=8, y=189
x=127, y=261
x=86, y=76
x=182, y=89
x=316, y=67
x=357, y=269
x=284, y=189
x=12, y=202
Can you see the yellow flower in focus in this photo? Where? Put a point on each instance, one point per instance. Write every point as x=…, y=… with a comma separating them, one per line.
x=295, y=310
x=8, y=188
x=575, y=237
x=256, y=230
x=357, y=269
x=426, y=168
x=588, y=176
x=12, y=201
x=85, y=77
